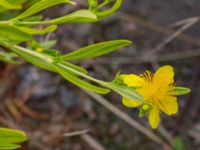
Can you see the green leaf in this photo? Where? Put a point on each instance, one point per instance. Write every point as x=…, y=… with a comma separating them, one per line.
x=96, y=50
x=2, y=9
x=77, y=81
x=7, y=5
x=33, y=60
x=5, y=146
x=44, y=44
x=48, y=29
x=14, y=34
x=178, y=144
x=6, y=41
x=8, y=57
x=80, y=16
x=52, y=52
x=39, y=6
x=16, y=1
x=47, y=44
x=179, y=91
x=106, y=13
x=124, y=91
x=11, y=136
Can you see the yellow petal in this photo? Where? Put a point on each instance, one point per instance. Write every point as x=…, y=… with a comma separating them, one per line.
x=133, y=80
x=169, y=105
x=164, y=76
x=130, y=103
x=154, y=117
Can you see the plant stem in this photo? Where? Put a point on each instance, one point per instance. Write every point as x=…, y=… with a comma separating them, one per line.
x=44, y=57
x=103, y=4
x=33, y=23
x=50, y=60
x=4, y=22
x=79, y=73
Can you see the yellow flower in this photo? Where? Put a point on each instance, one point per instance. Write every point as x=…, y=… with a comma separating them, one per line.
x=39, y=50
x=156, y=90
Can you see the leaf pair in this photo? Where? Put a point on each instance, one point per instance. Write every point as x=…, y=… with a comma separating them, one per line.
x=86, y=16
x=80, y=16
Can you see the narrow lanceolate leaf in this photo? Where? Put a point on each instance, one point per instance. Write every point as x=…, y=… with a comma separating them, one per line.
x=124, y=91
x=6, y=146
x=96, y=50
x=80, y=16
x=33, y=60
x=14, y=34
x=48, y=29
x=7, y=5
x=41, y=5
x=77, y=81
x=179, y=91
x=11, y=136
x=48, y=44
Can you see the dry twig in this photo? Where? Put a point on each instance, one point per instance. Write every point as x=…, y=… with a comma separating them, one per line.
x=92, y=142
x=144, y=58
x=75, y=133
x=186, y=24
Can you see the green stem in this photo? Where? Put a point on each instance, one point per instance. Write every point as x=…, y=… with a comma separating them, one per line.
x=5, y=22
x=50, y=59
x=44, y=57
x=33, y=23
x=79, y=73
x=103, y=4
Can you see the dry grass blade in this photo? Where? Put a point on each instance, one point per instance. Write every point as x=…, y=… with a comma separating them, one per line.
x=187, y=24
x=92, y=142
x=182, y=22
x=76, y=133
x=144, y=58
x=158, y=28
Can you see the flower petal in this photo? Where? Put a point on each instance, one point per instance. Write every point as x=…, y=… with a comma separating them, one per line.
x=169, y=105
x=130, y=103
x=133, y=80
x=154, y=117
x=164, y=76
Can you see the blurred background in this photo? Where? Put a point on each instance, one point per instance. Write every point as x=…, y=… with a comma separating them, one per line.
x=47, y=107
